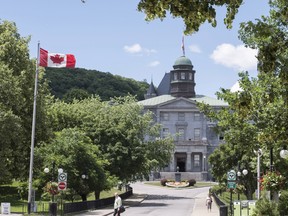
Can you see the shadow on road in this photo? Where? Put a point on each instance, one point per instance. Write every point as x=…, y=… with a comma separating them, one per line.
x=165, y=197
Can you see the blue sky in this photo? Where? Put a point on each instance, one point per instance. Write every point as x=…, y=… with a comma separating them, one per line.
x=112, y=36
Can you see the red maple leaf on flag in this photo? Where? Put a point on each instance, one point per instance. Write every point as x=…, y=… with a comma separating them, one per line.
x=57, y=59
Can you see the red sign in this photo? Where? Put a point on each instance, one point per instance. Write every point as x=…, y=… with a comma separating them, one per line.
x=62, y=185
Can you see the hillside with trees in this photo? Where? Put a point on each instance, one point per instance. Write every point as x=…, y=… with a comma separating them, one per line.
x=79, y=83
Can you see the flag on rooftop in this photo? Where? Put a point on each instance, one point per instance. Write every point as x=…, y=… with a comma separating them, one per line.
x=57, y=60
x=183, y=48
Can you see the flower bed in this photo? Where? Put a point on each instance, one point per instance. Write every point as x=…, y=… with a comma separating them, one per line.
x=177, y=184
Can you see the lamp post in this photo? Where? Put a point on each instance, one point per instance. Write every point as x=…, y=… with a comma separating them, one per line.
x=259, y=154
x=53, y=205
x=239, y=174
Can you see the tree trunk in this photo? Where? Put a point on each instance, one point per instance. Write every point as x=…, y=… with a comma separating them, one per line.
x=84, y=197
x=97, y=194
x=249, y=192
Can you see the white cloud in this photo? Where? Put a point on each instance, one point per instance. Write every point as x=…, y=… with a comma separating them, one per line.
x=195, y=49
x=236, y=57
x=236, y=87
x=149, y=51
x=136, y=48
x=154, y=64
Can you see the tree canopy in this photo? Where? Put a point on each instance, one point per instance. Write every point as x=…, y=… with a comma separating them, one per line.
x=79, y=83
x=120, y=129
x=17, y=73
x=193, y=13
x=257, y=114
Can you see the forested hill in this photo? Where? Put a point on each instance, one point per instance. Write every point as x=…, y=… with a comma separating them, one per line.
x=66, y=84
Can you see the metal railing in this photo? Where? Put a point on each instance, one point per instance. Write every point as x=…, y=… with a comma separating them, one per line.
x=223, y=209
x=92, y=205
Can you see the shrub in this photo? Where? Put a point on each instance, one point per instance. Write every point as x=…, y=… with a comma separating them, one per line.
x=282, y=205
x=192, y=182
x=265, y=207
x=163, y=182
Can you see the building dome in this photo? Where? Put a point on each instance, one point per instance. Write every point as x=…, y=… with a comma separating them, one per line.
x=183, y=61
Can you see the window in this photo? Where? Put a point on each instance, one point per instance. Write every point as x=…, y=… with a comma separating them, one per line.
x=196, y=160
x=181, y=134
x=165, y=132
x=183, y=75
x=196, y=133
x=175, y=76
x=190, y=76
x=164, y=116
x=196, y=116
x=181, y=116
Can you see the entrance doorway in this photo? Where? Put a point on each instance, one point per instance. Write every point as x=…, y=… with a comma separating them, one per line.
x=181, y=163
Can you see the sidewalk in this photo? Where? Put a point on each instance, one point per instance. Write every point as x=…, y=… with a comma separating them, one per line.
x=200, y=206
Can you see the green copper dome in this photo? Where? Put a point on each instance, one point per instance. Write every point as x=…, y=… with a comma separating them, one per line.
x=183, y=61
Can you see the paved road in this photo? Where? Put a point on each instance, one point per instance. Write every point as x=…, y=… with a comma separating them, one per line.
x=165, y=201
x=157, y=201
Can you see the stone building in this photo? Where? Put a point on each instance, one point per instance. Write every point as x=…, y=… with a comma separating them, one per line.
x=174, y=104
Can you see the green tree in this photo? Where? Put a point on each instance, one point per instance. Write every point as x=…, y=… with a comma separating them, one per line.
x=257, y=114
x=78, y=94
x=75, y=153
x=193, y=13
x=17, y=73
x=64, y=81
x=120, y=129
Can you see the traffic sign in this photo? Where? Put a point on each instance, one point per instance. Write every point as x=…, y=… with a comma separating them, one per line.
x=62, y=185
x=62, y=177
x=231, y=175
x=231, y=184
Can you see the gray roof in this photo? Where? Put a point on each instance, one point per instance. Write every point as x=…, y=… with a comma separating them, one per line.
x=166, y=98
x=164, y=86
x=151, y=90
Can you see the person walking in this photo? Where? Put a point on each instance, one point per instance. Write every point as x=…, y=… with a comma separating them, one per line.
x=209, y=202
x=117, y=204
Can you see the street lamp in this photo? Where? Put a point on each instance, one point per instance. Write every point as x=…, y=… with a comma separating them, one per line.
x=239, y=174
x=244, y=172
x=53, y=205
x=259, y=154
x=84, y=176
x=284, y=153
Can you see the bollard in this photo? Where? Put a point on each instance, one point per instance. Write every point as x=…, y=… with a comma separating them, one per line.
x=53, y=209
x=223, y=210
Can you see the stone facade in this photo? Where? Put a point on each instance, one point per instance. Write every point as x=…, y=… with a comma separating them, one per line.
x=179, y=116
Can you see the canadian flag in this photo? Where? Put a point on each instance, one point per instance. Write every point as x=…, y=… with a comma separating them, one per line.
x=58, y=60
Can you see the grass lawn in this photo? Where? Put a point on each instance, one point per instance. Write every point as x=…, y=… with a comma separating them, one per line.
x=9, y=194
x=225, y=197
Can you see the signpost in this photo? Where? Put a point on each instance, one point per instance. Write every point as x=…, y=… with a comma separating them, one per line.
x=231, y=184
x=62, y=181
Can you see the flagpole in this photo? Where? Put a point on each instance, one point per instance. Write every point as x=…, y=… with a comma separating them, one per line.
x=183, y=46
x=33, y=131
